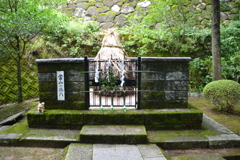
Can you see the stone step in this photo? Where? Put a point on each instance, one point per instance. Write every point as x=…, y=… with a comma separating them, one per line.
x=114, y=134
x=113, y=151
x=213, y=156
x=152, y=119
x=47, y=141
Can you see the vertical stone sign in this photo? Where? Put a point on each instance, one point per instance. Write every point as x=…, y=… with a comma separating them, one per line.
x=60, y=86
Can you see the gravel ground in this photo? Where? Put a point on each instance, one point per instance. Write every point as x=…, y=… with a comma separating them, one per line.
x=27, y=153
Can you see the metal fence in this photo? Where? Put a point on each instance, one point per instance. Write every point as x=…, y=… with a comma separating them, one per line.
x=100, y=93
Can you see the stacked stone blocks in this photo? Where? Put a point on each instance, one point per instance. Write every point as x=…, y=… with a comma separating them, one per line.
x=74, y=83
x=166, y=78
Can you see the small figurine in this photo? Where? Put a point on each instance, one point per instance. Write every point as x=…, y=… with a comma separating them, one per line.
x=41, y=107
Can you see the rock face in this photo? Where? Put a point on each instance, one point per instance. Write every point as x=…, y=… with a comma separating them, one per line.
x=111, y=13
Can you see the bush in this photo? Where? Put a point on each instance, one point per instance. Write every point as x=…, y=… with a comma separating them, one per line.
x=223, y=93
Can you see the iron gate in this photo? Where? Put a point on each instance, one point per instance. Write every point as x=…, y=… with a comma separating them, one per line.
x=96, y=94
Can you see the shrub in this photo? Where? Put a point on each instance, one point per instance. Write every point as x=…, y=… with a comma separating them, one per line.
x=223, y=93
x=200, y=73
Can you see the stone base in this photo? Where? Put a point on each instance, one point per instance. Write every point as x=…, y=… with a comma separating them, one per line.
x=152, y=119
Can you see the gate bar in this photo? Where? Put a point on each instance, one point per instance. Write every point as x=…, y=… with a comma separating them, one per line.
x=139, y=82
x=86, y=77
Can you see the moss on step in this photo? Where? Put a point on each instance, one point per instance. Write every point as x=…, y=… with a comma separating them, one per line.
x=21, y=127
x=153, y=119
x=165, y=135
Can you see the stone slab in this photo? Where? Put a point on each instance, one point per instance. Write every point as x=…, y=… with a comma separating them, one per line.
x=2, y=128
x=224, y=141
x=113, y=134
x=79, y=151
x=9, y=139
x=60, y=60
x=12, y=118
x=214, y=126
x=151, y=151
x=214, y=156
x=116, y=152
x=50, y=141
x=113, y=151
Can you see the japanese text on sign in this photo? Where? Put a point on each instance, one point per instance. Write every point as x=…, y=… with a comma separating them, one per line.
x=60, y=86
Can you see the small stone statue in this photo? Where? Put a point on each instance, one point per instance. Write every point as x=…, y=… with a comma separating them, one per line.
x=41, y=107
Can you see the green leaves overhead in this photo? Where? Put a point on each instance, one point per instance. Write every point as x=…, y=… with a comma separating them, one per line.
x=21, y=21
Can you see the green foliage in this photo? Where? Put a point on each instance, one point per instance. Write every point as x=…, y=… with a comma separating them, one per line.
x=230, y=39
x=200, y=71
x=109, y=84
x=223, y=93
x=20, y=22
x=231, y=67
x=167, y=27
x=73, y=38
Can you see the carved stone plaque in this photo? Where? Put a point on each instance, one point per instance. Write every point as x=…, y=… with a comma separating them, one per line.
x=60, y=86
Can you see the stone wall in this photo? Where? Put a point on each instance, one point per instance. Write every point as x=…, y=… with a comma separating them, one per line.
x=167, y=82
x=74, y=83
x=164, y=81
x=111, y=13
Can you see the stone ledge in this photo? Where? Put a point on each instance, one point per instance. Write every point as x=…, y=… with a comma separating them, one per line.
x=50, y=141
x=9, y=139
x=60, y=60
x=167, y=59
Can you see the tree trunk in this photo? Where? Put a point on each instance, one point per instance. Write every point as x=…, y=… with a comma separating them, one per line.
x=19, y=79
x=216, y=51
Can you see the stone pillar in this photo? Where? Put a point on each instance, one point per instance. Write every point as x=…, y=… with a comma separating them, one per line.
x=73, y=78
x=167, y=82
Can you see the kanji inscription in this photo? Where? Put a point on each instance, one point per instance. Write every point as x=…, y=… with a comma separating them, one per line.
x=60, y=86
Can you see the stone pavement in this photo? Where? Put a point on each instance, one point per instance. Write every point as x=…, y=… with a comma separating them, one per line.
x=224, y=138
x=114, y=152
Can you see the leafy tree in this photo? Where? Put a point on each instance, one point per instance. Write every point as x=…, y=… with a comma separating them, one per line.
x=20, y=22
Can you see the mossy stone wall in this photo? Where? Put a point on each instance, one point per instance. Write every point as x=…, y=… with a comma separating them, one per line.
x=152, y=119
x=111, y=13
x=167, y=82
x=74, y=83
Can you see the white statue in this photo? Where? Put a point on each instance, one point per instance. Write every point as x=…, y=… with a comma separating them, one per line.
x=41, y=107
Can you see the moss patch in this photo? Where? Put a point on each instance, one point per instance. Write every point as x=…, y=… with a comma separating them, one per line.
x=230, y=120
x=165, y=135
x=15, y=108
x=21, y=127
